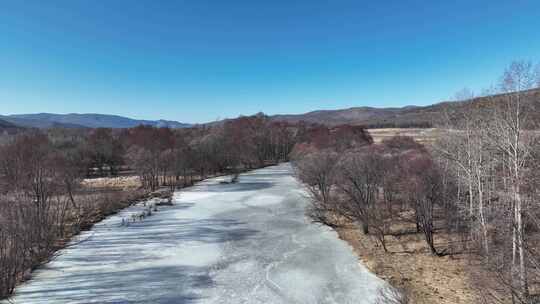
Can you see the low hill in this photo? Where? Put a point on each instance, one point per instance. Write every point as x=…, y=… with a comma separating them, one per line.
x=38, y=123
x=73, y=120
x=8, y=127
x=405, y=117
x=367, y=116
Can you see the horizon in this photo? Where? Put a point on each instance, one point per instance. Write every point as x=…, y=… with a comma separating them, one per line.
x=198, y=62
x=223, y=118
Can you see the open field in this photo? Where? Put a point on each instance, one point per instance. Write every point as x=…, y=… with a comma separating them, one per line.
x=421, y=135
x=120, y=182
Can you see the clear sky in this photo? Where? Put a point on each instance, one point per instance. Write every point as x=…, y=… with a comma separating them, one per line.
x=198, y=60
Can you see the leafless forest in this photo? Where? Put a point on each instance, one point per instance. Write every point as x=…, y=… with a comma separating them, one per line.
x=473, y=192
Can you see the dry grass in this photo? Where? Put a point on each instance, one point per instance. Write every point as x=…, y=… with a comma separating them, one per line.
x=121, y=182
x=430, y=279
x=134, y=182
x=423, y=136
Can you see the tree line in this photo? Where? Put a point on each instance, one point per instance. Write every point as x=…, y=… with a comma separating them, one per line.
x=475, y=191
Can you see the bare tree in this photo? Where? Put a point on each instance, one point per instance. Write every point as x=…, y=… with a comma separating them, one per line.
x=380, y=222
x=508, y=136
x=465, y=145
x=359, y=182
x=318, y=171
x=424, y=190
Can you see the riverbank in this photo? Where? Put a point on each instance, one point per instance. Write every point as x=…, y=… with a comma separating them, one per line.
x=408, y=265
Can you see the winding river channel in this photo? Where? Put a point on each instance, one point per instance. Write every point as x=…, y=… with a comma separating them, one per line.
x=248, y=242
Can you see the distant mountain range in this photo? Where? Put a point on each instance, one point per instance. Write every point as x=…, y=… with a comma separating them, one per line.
x=369, y=117
x=48, y=120
x=6, y=126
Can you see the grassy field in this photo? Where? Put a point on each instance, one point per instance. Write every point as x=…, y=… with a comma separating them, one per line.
x=424, y=136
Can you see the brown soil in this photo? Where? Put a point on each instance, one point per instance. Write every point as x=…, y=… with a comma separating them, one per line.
x=408, y=264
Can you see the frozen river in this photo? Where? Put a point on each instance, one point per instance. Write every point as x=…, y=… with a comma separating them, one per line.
x=220, y=243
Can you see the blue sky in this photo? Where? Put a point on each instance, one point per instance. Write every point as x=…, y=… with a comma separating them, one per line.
x=199, y=60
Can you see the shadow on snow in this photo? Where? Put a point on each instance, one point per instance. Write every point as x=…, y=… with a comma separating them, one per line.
x=103, y=254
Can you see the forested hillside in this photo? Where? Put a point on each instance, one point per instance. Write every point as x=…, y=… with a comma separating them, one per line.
x=410, y=116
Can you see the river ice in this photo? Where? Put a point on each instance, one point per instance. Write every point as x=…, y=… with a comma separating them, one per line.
x=220, y=243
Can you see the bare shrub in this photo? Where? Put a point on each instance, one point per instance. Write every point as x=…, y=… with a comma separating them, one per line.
x=318, y=171
x=358, y=183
